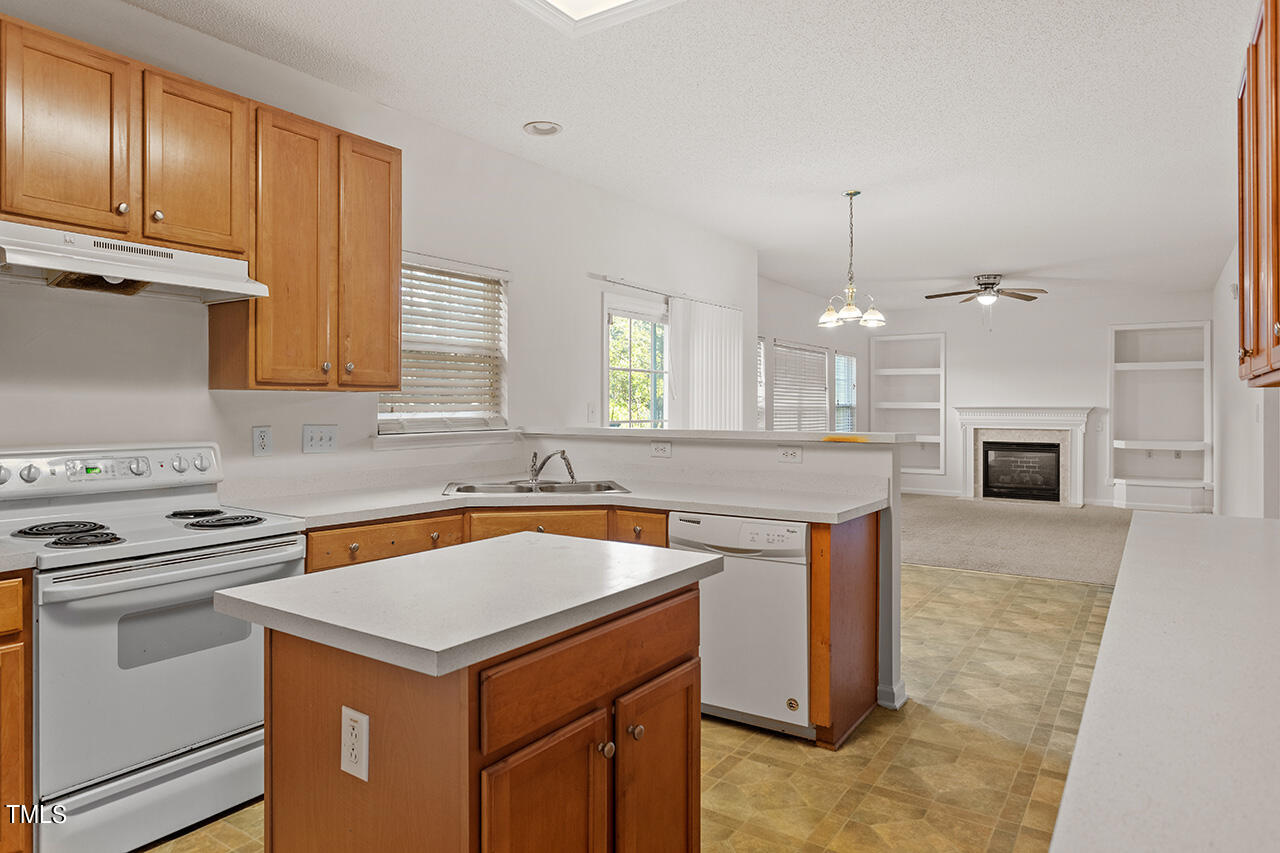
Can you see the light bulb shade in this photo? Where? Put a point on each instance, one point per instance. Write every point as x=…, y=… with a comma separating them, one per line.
x=988, y=297
x=830, y=318
x=872, y=317
x=849, y=312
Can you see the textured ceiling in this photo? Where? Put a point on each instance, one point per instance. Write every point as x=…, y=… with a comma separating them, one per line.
x=1076, y=143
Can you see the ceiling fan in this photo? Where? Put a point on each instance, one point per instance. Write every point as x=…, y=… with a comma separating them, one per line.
x=988, y=290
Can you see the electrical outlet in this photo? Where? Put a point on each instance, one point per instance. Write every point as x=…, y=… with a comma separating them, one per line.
x=790, y=453
x=261, y=441
x=355, y=743
x=1177, y=454
x=660, y=449
x=319, y=438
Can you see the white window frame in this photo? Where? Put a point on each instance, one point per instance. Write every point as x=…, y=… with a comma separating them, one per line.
x=831, y=385
x=653, y=310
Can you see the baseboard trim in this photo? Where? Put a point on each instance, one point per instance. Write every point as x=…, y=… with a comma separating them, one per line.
x=942, y=493
x=1146, y=507
x=892, y=695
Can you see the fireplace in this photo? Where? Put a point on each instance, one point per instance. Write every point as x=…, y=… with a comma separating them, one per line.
x=1020, y=469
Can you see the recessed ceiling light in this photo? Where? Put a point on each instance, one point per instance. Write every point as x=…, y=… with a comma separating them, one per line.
x=542, y=128
x=577, y=17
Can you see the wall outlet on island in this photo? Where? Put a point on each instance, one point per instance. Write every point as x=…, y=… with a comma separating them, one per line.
x=319, y=438
x=660, y=449
x=790, y=453
x=261, y=441
x=355, y=743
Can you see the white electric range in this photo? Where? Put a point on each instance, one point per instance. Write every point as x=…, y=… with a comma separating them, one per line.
x=148, y=703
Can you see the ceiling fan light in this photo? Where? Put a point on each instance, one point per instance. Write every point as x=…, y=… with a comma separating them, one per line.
x=830, y=319
x=988, y=297
x=849, y=313
x=872, y=318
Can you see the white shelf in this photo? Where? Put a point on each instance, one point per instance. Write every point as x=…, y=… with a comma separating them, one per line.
x=1138, y=444
x=909, y=371
x=1160, y=365
x=933, y=405
x=1178, y=482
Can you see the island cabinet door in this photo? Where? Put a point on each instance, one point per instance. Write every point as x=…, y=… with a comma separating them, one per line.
x=658, y=737
x=551, y=795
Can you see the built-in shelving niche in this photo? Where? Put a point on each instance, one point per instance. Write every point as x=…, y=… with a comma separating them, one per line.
x=908, y=394
x=1161, y=424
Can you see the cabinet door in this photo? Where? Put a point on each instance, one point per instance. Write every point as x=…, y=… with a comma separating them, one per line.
x=196, y=164
x=1265, y=106
x=586, y=523
x=296, y=254
x=551, y=795
x=644, y=528
x=658, y=735
x=66, y=131
x=369, y=264
x=14, y=788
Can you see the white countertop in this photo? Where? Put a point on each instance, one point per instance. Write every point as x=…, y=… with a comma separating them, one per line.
x=736, y=435
x=1178, y=748
x=16, y=555
x=440, y=611
x=352, y=507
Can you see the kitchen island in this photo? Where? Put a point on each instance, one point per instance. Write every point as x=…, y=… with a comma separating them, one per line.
x=528, y=692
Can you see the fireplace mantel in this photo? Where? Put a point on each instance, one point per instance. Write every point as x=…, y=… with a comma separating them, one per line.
x=1072, y=419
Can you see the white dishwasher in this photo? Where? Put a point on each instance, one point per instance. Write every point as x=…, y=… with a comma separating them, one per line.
x=755, y=618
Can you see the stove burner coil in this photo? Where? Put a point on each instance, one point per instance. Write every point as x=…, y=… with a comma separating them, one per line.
x=221, y=521
x=85, y=540
x=194, y=513
x=51, y=529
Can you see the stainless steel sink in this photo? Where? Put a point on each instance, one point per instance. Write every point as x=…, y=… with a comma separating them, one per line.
x=525, y=487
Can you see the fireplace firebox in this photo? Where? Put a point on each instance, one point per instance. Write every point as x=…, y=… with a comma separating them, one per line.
x=1020, y=469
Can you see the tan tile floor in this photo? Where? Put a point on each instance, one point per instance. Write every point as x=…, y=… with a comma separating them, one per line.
x=997, y=667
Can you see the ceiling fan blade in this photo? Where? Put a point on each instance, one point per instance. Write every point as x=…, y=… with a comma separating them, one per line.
x=968, y=299
x=952, y=293
x=1022, y=290
x=1015, y=295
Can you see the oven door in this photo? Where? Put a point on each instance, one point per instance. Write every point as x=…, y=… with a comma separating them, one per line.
x=135, y=665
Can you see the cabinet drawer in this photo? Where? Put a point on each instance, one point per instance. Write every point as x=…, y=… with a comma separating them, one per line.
x=10, y=606
x=327, y=549
x=646, y=528
x=587, y=523
x=525, y=695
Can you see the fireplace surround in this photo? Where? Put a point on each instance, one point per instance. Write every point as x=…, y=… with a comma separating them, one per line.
x=1033, y=422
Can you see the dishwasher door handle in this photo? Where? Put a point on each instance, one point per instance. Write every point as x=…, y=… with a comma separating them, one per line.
x=727, y=551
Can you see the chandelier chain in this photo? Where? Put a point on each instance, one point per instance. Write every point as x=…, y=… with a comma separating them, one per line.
x=850, y=239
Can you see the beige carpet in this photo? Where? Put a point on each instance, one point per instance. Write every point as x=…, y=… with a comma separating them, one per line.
x=1015, y=538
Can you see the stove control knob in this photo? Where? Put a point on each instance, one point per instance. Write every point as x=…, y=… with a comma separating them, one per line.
x=4, y=475
x=30, y=473
x=137, y=467
x=180, y=464
x=201, y=462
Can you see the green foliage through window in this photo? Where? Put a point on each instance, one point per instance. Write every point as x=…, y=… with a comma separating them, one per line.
x=637, y=372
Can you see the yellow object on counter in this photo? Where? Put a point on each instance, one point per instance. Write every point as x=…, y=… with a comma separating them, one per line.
x=856, y=439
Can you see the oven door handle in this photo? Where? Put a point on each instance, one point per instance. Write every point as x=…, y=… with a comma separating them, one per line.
x=208, y=567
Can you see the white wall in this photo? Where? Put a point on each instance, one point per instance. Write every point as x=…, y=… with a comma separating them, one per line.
x=78, y=367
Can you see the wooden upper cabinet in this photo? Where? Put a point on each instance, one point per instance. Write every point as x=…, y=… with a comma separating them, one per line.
x=296, y=251
x=195, y=165
x=1247, y=298
x=66, y=131
x=369, y=264
x=551, y=795
x=657, y=730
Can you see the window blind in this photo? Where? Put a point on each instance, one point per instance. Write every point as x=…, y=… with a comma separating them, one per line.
x=453, y=354
x=800, y=397
x=761, y=386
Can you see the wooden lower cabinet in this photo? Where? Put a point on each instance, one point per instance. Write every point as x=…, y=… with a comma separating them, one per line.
x=586, y=523
x=644, y=527
x=346, y=546
x=15, y=708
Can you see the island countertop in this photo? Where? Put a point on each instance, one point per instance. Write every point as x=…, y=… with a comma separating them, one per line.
x=436, y=612
x=1177, y=747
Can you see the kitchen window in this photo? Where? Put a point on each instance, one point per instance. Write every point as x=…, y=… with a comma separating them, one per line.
x=637, y=366
x=845, y=392
x=453, y=354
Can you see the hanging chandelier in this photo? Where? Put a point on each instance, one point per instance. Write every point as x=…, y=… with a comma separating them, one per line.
x=848, y=311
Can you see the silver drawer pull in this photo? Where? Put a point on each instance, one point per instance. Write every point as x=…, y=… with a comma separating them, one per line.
x=636, y=732
x=326, y=367
x=122, y=208
x=638, y=529
x=607, y=749
x=351, y=365
x=355, y=546
x=541, y=529
x=435, y=536
x=158, y=216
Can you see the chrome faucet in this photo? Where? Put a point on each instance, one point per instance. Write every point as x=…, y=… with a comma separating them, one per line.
x=535, y=467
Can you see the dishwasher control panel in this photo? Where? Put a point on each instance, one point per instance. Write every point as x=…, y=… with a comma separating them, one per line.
x=739, y=537
x=764, y=534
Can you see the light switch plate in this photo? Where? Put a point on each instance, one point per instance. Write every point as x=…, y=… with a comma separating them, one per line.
x=660, y=449
x=261, y=440
x=319, y=438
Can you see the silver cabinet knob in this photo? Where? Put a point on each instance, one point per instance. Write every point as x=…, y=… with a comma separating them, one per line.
x=158, y=216
x=541, y=529
x=180, y=464
x=122, y=208
x=638, y=529
x=326, y=367
x=435, y=536
x=636, y=732
x=355, y=546
x=351, y=365
x=137, y=468
x=607, y=749
x=1276, y=329
x=201, y=462
x=4, y=475
x=29, y=474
